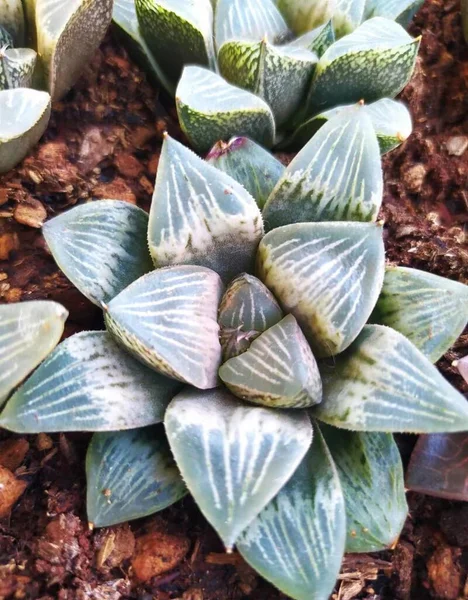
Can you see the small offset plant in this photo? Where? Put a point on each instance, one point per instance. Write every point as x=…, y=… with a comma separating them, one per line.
x=280, y=364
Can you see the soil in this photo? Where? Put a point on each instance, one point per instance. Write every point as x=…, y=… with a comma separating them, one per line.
x=103, y=142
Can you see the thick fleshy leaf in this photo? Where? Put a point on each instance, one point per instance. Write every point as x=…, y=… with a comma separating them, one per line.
x=247, y=309
x=337, y=176
x=384, y=383
x=373, y=62
x=297, y=541
x=431, y=311
x=5, y=38
x=24, y=116
x=18, y=66
x=178, y=33
x=438, y=466
x=401, y=11
x=167, y=319
x=89, y=384
x=211, y=109
x=100, y=246
x=280, y=75
x=233, y=457
x=328, y=275
x=28, y=332
x=371, y=475
x=201, y=216
x=277, y=370
x=12, y=19
x=347, y=15
x=130, y=474
x=62, y=27
x=304, y=15
x=318, y=40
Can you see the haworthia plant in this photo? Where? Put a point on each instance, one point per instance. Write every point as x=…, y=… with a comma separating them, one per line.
x=317, y=40
x=305, y=15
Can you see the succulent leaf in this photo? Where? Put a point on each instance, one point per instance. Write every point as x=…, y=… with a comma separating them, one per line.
x=28, y=332
x=18, y=65
x=89, y=384
x=211, y=109
x=12, y=19
x=130, y=474
x=371, y=475
x=24, y=116
x=297, y=541
x=249, y=164
x=348, y=15
x=384, y=383
x=5, y=38
x=304, y=15
x=167, y=319
x=233, y=457
x=401, y=11
x=328, y=275
x=63, y=26
x=337, y=176
x=318, y=40
x=277, y=370
x=100, y=246
x=431, y=311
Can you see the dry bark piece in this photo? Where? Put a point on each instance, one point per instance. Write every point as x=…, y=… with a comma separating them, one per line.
x=30, y=212
x=8, y=243
x=116, y=545
x=444, y=572
x=158, y=552
x=11, y=489
x=13, y=452
x=44, y=442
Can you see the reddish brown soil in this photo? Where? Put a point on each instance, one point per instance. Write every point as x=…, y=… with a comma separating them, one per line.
x=104, y=142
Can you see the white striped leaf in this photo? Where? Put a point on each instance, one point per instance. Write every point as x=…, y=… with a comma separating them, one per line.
x=277, y=370
x=281, y=75
x=337, y=176
x=371, y=474
x=211, y=109
x=130, y=474
x=100, y=246
x=89, y=384
x=24, y=116
x=318, y=40
x=18, y=66
x=297, y=541
x=167, y=319
x=233, y=457
x=249, y=164
x=328, y=275
x=384, y=383
x=178, y=33
x=401, y=11
x=431, y=311
x=62, y=27
x=247, y=309
x=304, y=15
x=28, y=332
x=373, y=62
x=201, y=216
x=12, y=19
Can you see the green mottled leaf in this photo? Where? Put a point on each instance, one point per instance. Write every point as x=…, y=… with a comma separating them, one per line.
x=18, y=66
x=201, y=216
x=277, y=370
x=211, y=109
x=401, y=11
x=130, y=474
x=28, y=332
x=24, y=116
x=249, y=164
x=247, y=309
x=328, y=275
x=167, y=319
x=384, y=383
x=371, y=475
x=89, y=384
x=337, y=176
x=233, y=457
x=100, y=246
x=304, y=15
x=62, y=27
x=12, y=19
x=297, y=541
x=318, y=40
x=431, y=311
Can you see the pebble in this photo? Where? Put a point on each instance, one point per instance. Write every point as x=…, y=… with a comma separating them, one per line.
x=11, y=489
x=157, y=553
x=13, y=453
x=457, y=145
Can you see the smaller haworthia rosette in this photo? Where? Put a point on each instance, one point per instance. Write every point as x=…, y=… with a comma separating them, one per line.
x=130, y=474
x=431, y=311
x=16, y=67
x=12, y=19
x=201, y=216
x=347, y=15
x=337, y=176
x=371, y=475
x=168, y=320
x=328, y=275
x=247, y=309
x=401, y=11
x=278, y=370
x=249, y=164
x=233, y=457
x=100, y=246
x=28, y=332
x=89, y=384
x=304, y=15
x=297, y=541
x=211, y=109
x=384, y=383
